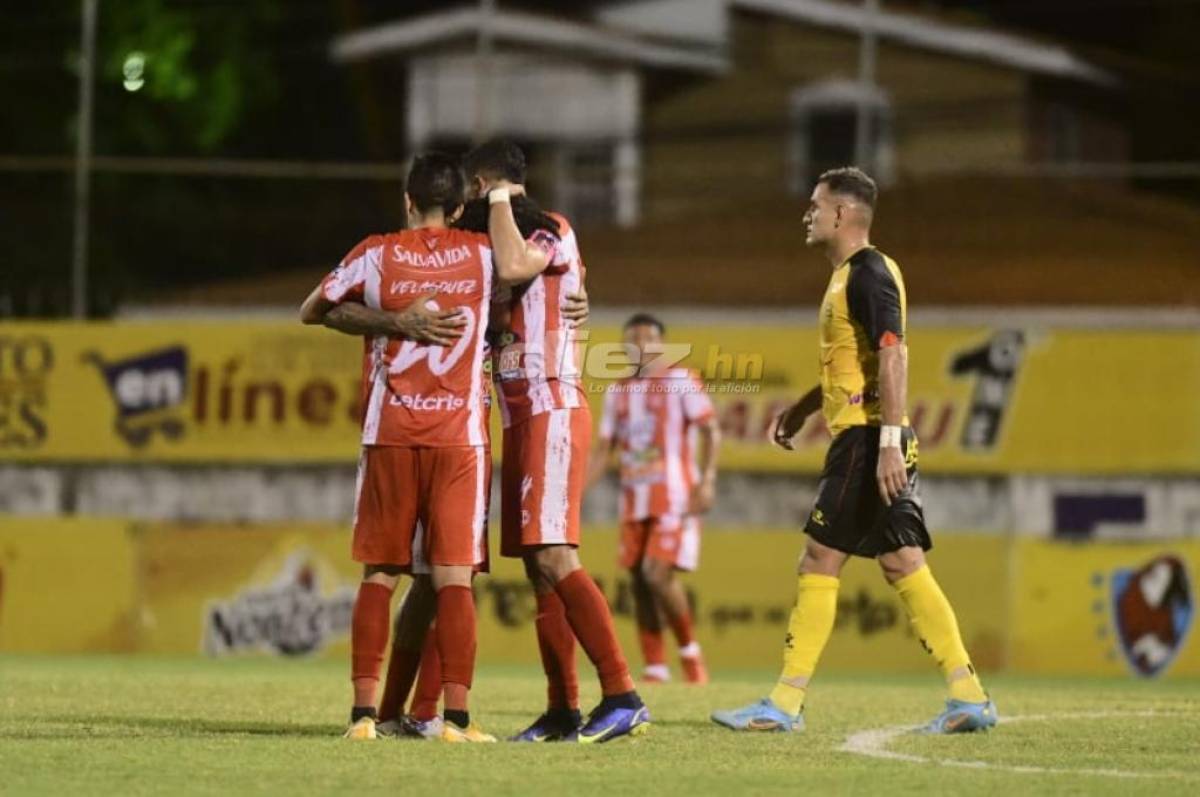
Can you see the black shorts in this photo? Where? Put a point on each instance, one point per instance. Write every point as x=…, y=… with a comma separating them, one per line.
x=849, y=514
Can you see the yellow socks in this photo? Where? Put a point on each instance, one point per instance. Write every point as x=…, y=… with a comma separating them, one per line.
x=933, y=620
x=808, y=631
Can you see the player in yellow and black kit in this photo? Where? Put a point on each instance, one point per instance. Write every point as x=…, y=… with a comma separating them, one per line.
x=867, y=501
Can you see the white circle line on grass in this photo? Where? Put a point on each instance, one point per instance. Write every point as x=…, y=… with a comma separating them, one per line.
x=874, y=743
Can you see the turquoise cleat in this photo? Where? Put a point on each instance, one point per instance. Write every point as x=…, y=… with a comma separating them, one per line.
x=963, y=717
x=761, y=716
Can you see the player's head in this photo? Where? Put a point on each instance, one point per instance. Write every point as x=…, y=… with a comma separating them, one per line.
x=645, y=332
x=434, y=188
x=492, y=162
x=843, y=201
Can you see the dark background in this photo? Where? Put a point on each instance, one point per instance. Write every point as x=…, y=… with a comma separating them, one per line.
x=237, y=79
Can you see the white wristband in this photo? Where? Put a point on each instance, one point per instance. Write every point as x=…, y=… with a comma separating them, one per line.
x=889, y=436
x=498, y=195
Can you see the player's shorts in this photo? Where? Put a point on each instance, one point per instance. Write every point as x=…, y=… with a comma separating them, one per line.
x=417, y=507
x=671, y=539
x=542, y=474
x=849, y=514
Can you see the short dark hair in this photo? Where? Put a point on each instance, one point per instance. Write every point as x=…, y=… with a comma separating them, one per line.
x=435, y=181
x=645, y=320
x=498, y=159
x=851, y=181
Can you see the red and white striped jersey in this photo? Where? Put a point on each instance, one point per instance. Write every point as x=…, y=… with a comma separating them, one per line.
x=653, y=421
x=536, y=362
x=416, y=394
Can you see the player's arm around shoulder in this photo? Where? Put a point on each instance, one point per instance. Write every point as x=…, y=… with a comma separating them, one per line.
x=517, y=259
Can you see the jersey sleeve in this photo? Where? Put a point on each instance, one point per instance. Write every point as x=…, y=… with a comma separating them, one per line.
x=551, y=244
x=874, y=300
x=697, y=406
x=347, y=282
x=608, y=416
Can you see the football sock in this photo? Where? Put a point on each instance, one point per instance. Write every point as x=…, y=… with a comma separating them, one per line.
x=456, y=643
x=429, y=683
x=809, y=628
x=401, y=672
x=358, y=712
x=460, y=718
x=556, y=643
x=368, y=639
x=654, y=652
x=933, y=620
x=591, y=620
x=682, y=627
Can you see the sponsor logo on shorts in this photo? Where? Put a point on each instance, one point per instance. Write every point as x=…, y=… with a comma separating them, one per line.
x=446, y=402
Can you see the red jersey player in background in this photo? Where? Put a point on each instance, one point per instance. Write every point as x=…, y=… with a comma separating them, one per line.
x=425, y=468
x=547, y=428
x=652, y=420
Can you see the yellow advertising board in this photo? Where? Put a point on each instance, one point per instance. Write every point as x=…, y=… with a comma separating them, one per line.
x=289, y=590
x=67, y=585
x=982, y=400
x=1105, y=608
x=1023, y=604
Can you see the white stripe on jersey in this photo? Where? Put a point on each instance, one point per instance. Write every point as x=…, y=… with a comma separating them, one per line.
x=676, y=485
x=555, y=479
x=568, y=369
x=375, y=399
x=533, y=305
x=477, y=431
x=641, y=490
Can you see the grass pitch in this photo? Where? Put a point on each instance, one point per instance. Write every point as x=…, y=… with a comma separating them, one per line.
x=141, y=725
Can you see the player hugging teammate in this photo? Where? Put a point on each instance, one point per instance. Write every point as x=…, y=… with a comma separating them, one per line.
x=423, y=385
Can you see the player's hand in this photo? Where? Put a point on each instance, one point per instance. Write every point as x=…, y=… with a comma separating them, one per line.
x=575, y=308
x=890, y=474
x=424, y=324
x=787, y=425
x=702, y=497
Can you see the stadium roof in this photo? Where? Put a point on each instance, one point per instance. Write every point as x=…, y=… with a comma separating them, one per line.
x=966, y=42
x=527, y=29
x=661, y=19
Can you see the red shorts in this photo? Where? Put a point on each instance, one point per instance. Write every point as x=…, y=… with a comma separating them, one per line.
x=418, y=507
x=667, y=538
x=542, y=480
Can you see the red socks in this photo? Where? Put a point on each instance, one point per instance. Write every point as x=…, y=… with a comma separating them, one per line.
x=456, y=643
x=429, y=684
x=556, y=642
x=368, y=639
x=590, y=619
x=682, y=626
x=653, y=649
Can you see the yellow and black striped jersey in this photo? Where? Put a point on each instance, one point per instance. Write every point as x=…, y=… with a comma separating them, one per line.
x=864, y=309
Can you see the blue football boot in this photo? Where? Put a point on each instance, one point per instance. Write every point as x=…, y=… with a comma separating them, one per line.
x=622, y=715
x=553, y=726
x=761, y=716
x=962, y=717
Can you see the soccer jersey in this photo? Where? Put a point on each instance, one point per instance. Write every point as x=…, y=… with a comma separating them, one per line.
x=536, y=360
x=415, y=394
x=653, y=420
x=864, y=309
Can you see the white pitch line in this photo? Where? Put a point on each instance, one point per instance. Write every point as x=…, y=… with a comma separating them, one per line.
x=874, y=744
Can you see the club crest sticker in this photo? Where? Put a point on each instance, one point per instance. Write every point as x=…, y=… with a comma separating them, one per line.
x=1152, y=608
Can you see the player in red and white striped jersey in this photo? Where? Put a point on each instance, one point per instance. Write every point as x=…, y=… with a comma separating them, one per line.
x=425, y=469
x=653, y=421
x=547, y=431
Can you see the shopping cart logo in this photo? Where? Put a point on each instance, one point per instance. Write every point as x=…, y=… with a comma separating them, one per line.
x=149, y=391
x=1152, y=611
